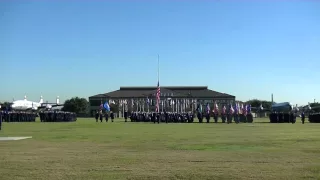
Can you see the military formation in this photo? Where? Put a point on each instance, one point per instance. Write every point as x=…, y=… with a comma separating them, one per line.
x=17, y=116
x=283, y=117
x=57, y=116
x=187, y=117
x=314, y=118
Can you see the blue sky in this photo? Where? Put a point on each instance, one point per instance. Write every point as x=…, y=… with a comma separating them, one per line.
x=244, y=48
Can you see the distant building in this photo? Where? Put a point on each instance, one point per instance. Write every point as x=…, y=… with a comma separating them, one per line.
x=173, y=98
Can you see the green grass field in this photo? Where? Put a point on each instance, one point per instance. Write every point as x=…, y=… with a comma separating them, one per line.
x=86, y=150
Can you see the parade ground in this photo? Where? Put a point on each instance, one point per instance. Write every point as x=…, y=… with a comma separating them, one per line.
x=85, y=150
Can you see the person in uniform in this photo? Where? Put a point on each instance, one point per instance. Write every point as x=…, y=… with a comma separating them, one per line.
x=101, y=116
x=208, y=116
x=1, y=120
x=223, y=114
x=157, y=117
x=166, y=116
x=302, y=117
x=107, y=116
x=97, y=116
x=292, y=118
x=230, y=114
x=125, y=116
x=154, y=117
x=111, y=116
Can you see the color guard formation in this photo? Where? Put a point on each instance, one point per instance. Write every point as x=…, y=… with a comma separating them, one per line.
x=228, y=115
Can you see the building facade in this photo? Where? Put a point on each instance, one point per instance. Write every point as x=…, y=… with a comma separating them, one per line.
x=172, y=98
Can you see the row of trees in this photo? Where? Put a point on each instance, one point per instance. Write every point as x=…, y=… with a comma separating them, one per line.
x=81, y=106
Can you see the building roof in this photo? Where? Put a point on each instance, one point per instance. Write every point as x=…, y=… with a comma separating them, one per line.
x=173, y=91
x=165, y=87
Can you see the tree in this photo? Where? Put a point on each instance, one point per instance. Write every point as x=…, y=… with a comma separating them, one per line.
x=114, y=107
x=314, y=104
x=5, y=105
x=257, y=103
x=76, y=105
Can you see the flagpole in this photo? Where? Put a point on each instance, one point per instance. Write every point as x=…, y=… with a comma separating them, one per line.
x=158, y=101
x=158, y=70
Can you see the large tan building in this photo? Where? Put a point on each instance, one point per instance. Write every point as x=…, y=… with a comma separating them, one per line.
x=173, y=98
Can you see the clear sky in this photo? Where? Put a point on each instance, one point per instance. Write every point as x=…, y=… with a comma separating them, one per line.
x=81, y=48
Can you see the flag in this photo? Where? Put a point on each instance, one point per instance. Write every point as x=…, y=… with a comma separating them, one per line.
x=231, y=109
x=106, y=106
x=101, y=106
x=244, y=110
x=208, y=108
x=148, y=101
x=261, y=107
x=158, y=97
x=224, y=109
x=249, y=109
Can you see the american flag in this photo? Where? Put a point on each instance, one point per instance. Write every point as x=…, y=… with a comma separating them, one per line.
x=158, y=98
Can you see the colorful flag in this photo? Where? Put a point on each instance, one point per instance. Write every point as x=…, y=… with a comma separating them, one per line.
x=106, y=106
x=216, y=108
x=208, y=108
x=249, y=109
x=158, y=97
x=224, y=109
x=244, y=110
x=231, y=109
